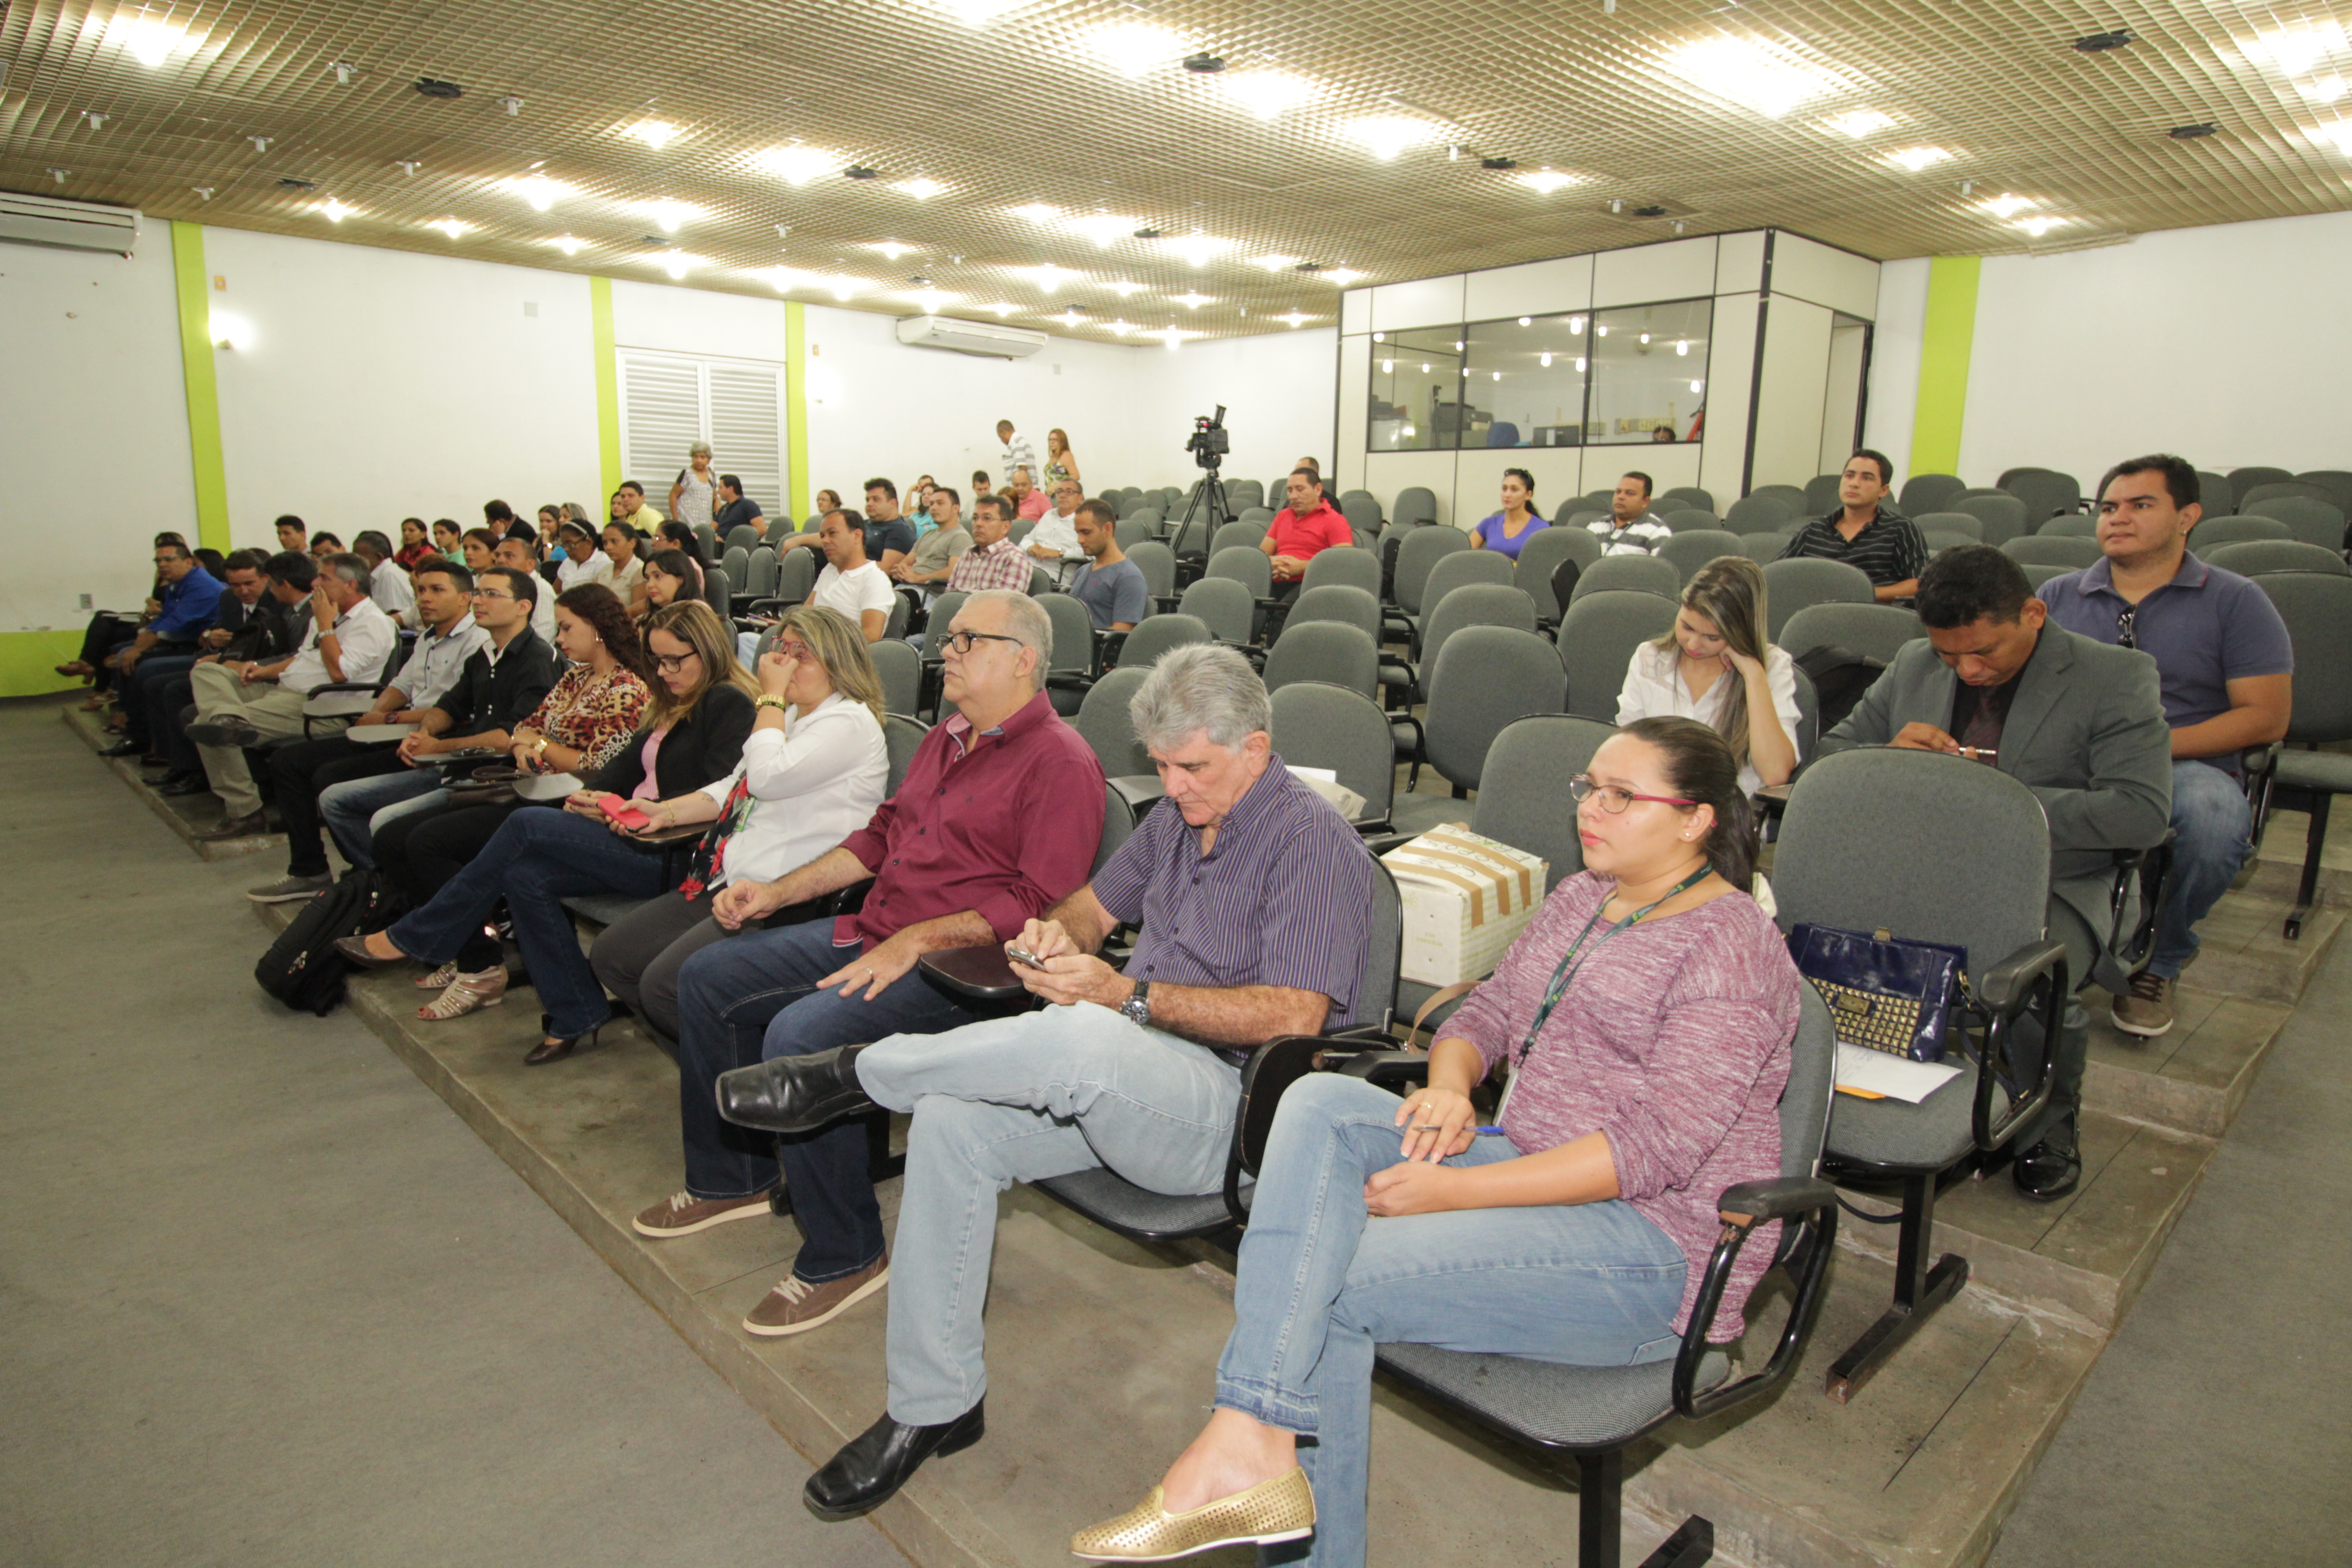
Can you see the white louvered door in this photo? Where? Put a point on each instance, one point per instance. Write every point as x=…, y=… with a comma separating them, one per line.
x=669, y=401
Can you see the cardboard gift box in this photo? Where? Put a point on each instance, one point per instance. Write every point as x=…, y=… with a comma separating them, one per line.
x=1466, y=898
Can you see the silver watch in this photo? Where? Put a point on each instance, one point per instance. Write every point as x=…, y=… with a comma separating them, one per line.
x=1138, y=1008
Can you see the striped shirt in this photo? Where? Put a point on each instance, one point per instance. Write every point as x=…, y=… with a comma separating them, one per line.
x=1002, y=564
x=1887, y=550
x=1639, y=536
x=1283, y=899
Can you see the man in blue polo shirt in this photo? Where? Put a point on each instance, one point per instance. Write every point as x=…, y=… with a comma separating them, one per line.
x=184, y=609
x=2228, y=669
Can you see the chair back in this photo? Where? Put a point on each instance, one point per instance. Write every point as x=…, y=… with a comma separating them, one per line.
x=1926, y=492
x=2071, y=525
x=1383, y=951
x=1873, y=631
x=1522, y=791
x=942, y=613
x=1223, y=606
x=1131, y=533
x=1938, y=539
x=2250, y=500
x=1483, y=677
x=1236, y=535
x=796, y=572
x=2216, y=494
x=1343, y=564
x=1158, y=564
x=1243, y=494
x=1541, y=554
x=1761, y=547
x=1791, y=585
x=1118, y=825
x=1245, y=564
x=2039, y=572
x=902, y=612
x=778, y=529
x=1144, y=516
x=1822, y=493
x=1597, y=640
x=1459, y=568
x=707, y=534
x=2003, y=516
x=1751, y=512
x=1474, y=605
x=743, y=537
x=2318, y=609
x=1502, y=433
x=764, y=572
x=2257, y=557
x=1155, y=635
x=900, y=736
x=1688, y=519
x=1363, y=512
x=2311, y=520
x=1336, y=602
x=901, y=670
x=2243, y=481
x=1074, y=633
x=1417, y=556
x=1317, y=725
x=1102, y=722
x=1330, y=651
x=1415, y=504
x=2061, y=550
x=1811, y=1090
x=1809, y=715
x=1691, y=494
x=1686, y=553
x=1966, y=522
x=2212, y=533
x=1793, y=495
x=2046, y=492
x=2336, y=482
x=1639, y=573
x=1021, y=530
x=1260, y=515
x=737, y=564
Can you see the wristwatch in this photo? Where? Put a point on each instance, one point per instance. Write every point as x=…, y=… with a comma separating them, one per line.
x=778, y=703
x=1137, y=1010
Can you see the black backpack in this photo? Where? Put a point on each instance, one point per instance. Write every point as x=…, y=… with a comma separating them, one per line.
x=1839, y=676
x=303, y=968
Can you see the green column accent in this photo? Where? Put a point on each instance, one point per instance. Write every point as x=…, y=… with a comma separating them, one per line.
x=608, y=382
x=797, y=468
x=1951, y=329
x=204, y=399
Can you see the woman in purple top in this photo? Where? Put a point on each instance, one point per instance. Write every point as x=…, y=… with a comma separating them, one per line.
x=1509, y=528
x=1647, y=1012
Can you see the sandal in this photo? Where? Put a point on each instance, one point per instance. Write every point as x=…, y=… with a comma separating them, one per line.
x=467, y=993
x=440, y=978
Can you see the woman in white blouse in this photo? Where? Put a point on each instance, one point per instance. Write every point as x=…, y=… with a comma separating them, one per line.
x=625, y=571
x=582, y=562
x=813, y=771
x=1717, y=667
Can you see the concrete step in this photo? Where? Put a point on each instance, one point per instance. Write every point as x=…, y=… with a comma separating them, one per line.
x=2242, y=949
x=2191, y=1079
x=187, y=816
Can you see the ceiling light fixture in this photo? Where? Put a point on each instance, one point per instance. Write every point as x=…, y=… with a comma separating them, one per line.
x=1036, y=212
x=1276, y=263
x=1545, y=181
x=654, y=134
x=334, y=211
x=676, y=263
x=1172, y=336
x=511, y=104
x=669, y=216
x=1386, y=135
x=1917, y=158
x=452, y=227
x=1339, y=276
x=1072, y=317
x=1576, y=325
x=1682, y=345
x=1134, y=48
x=1200, y=248
x=1123, y=326
x=2327, y=90
x=2337, y=134
x=1269, y=93
x=1859, y=122
x=1191, y=301
x=798, y=164
x=1580, y=363
x=540, y=193
x=1764, y=77
x=569, y=245
x=891, y=248
x=1698, y=386
x=1002, y=309
x=922, y=187
x=148, y=41
x=2296, y=50
x=1296, y=318
x=2007, y=205
x=1046, y=276
x=844, y=288
x=1123, y=288
x=343, y=70
x=1103, y=228
x=2038, y=226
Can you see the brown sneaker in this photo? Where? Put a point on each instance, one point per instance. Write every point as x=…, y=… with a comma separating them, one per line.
x=2146, y=1009
x=796, y=1306
x=683, y=1213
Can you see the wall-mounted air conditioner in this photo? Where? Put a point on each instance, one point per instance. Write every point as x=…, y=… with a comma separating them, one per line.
x=68, y=225
x=969, y=337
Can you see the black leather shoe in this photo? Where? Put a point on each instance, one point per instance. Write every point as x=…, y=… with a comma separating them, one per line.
x=794, y=1094
x=123, y=749
x=184, y=784
x=2051, y=1168
x=872, y=1466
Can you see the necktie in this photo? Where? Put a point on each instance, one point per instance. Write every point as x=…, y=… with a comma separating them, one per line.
x=1984, y=724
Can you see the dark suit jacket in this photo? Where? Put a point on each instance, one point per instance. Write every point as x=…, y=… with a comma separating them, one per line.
x=2086, y=732
x=701, y=749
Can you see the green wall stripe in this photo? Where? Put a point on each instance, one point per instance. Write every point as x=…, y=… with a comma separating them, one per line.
x=797, y=488
x=29, y=661
x=608, y=382
x=1951, y=333
x=211, y=470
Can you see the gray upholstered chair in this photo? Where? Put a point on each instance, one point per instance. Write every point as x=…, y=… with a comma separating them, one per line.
x=1317, y=725
x=2002, y=515
x=2046, y=492
x=2318, y=609
x=901, y=670
x=1102, y=722
x=2312, y=521
x=1873, y=631
x=2212, y=533
x=1790, y=585
x=1336, y=602
x=1597, y=640
x=2052, y=550
x=1690, y=495
x=1229, y=608
x=2255, y=557
x=1755, y=513
x=1331, y=652
x=1686, y=553
x=1821, y=496
x=1928, y=492
x=2072, y=525
x=1343, y=564
x=1541, y=554
x=1416, y=504
x=1481, y=679
x=1966, y=522
x=1640, y=573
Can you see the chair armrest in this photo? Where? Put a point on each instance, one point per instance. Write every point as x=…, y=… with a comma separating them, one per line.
x=2152, y=870
x=983, y=974
x=2007, y=989
x=1743, y=1208
x=1388, y=841
x=1106, y=647
x=676, y=833
x=1389, y=1069
x=1273, y=1068
x=1141, y=791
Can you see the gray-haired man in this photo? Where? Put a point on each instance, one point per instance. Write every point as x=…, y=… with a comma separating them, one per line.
x=1253, y=897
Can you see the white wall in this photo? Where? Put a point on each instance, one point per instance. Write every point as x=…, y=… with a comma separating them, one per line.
x=1279, y=392
x=93, y=427
x=1894, y=345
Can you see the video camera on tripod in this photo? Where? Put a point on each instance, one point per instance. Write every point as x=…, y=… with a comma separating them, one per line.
x=1210, y=440
x=1209, y=443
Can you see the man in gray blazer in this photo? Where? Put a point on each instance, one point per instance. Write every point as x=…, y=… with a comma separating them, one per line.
x=2079, y=722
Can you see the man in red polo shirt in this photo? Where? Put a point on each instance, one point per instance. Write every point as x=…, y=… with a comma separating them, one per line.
x=1303, y=530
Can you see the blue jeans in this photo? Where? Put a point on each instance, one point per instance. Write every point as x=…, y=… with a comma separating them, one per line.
x=157, y=673
x=2214, y=828
x=350, y=809
x=1587, y=1285
x=536, y=859
x=753, y=998
x=1018, y=1100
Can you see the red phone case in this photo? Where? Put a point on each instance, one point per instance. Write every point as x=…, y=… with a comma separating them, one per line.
x=624, y=814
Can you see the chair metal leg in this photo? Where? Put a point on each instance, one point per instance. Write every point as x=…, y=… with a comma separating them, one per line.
x=1918, y=1290
x=1690, y=1546
x=880, y=1163
x=1600, y=1508
x=2309, y=889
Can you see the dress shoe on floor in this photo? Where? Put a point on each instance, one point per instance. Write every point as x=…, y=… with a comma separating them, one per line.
x=2050, y=1169
x=794, y=1094
x=183, y=785
x=225, y=730
x=1271, y=1511
x=236, y=828
x=554, y=1048
x=355, y=951
x=123, y=749
x=290, y=890
x=872, y=1466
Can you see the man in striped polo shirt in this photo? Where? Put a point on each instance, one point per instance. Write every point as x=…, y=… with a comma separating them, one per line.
x=1252, y=895
x=1865, y=532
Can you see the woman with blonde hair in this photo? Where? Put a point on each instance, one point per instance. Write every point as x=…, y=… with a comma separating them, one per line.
x=1059, y=464
x=696, y=489
x=813, y=771
x=690, y=734
x=1717, y=667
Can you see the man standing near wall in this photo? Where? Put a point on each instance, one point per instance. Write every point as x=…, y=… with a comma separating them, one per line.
x=1017, y=454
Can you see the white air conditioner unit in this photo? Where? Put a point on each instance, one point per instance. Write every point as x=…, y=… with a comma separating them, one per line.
x=969, y=337
x=68, y=225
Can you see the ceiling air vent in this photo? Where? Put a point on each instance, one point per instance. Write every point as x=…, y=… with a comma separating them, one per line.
x=433, y=87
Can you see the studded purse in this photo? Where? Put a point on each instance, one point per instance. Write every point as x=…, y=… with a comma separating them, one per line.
x=1884, y=993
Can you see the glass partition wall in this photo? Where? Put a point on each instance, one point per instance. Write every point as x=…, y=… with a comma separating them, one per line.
x=1612, y=376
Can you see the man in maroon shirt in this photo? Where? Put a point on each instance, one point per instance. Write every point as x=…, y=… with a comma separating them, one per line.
x=1302, y=530
x=960, y=855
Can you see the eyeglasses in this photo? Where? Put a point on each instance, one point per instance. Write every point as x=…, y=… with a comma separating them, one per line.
x=961, y=641
x=790, y=649
x=669, y=666
x=1615, y=800
x=487, y=594
x=2127, y=625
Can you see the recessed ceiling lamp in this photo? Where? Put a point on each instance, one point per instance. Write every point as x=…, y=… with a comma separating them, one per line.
x=1386, y=135
x=2005, y=205
x=2326, y=90
x=452, y=227
x=1575, y=325
x=1761, y=76
x=1002, y=309
x=1046, y=276
x=1075, y=316
x=979, y=13
x=1698, y=386
x=1173, y=336
x=1199, y=249
x=1134, y=48
x=1296, y=318
x=1859, y=122
x=842, y=288
x=1580, y=363
x=334, y=211
x=1547, y=179
x=1268, y=93
x=1276, y=263
x=1682, y=345
x=1917, y=158
x=568, y=244
x=1601, y=331
x=1123, y=326
x=922, y=187
x=931, y=299
x=1124, y=287
x=677, y=263
x=2038, y=226
x=798, y=164
x=1191, y=301
x=669, y=216
x=540, y=193
x=1036, y=212
x=147, y=40
x=2296, y=50
x=2337, y=134
x=654, y=134
x=890, y=248
x=1340, y=277
x=1103, y=228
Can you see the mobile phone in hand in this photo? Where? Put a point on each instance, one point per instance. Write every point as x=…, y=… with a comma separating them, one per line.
x=621, y=812
x=1023, y=957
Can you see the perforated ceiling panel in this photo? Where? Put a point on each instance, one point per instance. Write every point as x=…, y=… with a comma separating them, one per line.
x=1020, y=142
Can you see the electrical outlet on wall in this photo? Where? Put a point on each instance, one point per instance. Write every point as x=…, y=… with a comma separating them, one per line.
x=530, y=307
x=85, y=603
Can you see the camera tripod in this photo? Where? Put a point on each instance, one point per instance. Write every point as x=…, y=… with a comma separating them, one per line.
x=1209, y=505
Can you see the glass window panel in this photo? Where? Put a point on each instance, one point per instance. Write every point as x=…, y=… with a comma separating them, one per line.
x=1416, y=390
x=1526, y=385
x=1649, y=370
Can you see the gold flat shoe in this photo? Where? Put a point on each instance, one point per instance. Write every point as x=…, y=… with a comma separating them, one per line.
x=1279, y=1510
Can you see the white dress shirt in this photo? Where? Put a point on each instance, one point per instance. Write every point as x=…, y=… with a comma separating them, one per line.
x=623, y=579
x=542, y=614
x=365, y=636
x=1059, y=534
x=1654, y=688
x=394, y=594
x=814, y=784
x=571, y=574
x=854, y=593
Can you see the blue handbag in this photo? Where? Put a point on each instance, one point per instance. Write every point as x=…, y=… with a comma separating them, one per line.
x=1884, y=993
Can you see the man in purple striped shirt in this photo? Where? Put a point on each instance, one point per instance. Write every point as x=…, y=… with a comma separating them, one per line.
x=1253, y=897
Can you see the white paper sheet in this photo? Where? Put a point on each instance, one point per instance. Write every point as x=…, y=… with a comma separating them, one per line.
x=1892, y=1077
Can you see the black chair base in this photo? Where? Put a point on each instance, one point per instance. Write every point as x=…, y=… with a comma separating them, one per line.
x=1885, y=1337
x=1600, y=1513
x=2306, y=891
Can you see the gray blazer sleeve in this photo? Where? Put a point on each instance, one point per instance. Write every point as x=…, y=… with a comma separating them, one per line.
x=2127, y=802
x=1872, y=722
